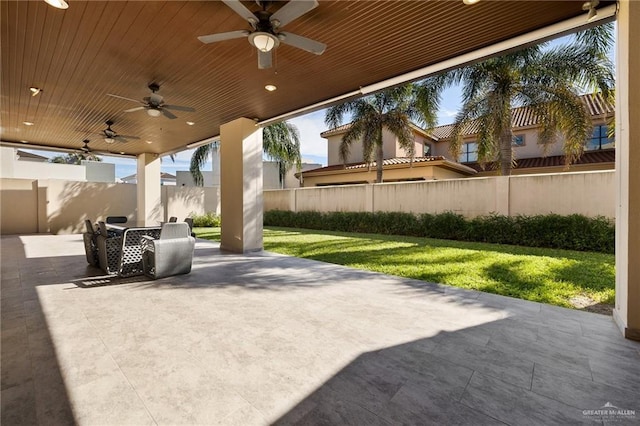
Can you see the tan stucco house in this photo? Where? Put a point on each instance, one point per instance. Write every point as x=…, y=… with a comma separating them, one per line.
x=434, y=161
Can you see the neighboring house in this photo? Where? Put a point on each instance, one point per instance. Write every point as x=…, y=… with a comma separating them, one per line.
x=28, y=156
x=165, y=179
x=270, y=176
x=19, y=164
x=433, y=160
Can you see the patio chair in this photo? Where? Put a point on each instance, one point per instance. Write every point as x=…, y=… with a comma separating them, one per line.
x=90, y=238
x=189, y=221
x=171, y=254
x=109, y=247
x=117, y=219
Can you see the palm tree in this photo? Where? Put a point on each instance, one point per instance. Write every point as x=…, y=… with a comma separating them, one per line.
x=280, y=142
x=545, y=80
x=74, y=158
x=393, y=109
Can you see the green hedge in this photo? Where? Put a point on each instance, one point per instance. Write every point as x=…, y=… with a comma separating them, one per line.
x=205, y=220
x=574, y=232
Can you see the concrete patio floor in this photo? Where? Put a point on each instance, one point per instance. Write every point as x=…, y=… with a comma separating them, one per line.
x=264, y=339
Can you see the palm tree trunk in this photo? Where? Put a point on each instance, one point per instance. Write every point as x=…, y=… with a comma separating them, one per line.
x=379, y=159
x=506, y=152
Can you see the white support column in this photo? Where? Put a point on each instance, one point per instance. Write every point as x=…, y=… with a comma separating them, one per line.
x=148, y=189
x=241, y=186
x=627, y=310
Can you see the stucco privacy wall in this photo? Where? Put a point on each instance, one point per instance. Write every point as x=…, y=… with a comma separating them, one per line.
x=587, y=193
x=60, y=206
x=182, y=202
x=347, y=198
x=67, y=204
x=56, y=206
x=18, y=206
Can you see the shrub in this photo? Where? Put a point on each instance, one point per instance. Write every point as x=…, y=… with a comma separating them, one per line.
x=207, y=219
x=574, y=232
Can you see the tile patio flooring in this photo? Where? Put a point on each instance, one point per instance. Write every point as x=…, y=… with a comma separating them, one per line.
x=267, y=339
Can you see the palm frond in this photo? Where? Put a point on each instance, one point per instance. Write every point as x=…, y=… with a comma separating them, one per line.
x=198, y=160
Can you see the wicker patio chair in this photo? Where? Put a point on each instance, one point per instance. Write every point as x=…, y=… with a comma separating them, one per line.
x=189, y=221
x=90, y=238
x=109, y=250
x=117, y=219
x=171, y=254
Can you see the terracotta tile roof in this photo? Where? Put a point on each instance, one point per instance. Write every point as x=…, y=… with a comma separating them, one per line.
x=589, y=157
x=386, y=162
x=24, y=154
x=397, y=161
x=525, y=117
x=344, y=127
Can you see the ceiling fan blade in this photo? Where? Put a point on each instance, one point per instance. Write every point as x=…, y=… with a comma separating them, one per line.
x=212, y=38
x=134, y=109
x=240, y=9
x=179, y=108
x=127, y=137
x=121, y=139
x=292, y=10
x=168, y=114
x=264, y=60
x=122, y=97
x=303, y=43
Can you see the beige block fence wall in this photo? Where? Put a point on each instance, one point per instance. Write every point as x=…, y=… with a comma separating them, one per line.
x=60, y=207
x=587, y=193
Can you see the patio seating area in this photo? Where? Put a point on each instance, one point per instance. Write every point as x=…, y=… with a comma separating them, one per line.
x=264, y=338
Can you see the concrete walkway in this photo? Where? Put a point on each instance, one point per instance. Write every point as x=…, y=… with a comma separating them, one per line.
x=263, y=339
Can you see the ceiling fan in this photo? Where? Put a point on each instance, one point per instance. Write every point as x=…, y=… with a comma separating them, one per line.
x=265, y=33
x=110, y=136
x=154, y=104
x=86, y=148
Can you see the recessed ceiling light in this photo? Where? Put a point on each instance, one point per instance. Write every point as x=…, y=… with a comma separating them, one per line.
x=58, y=4
x=27, y=123
x=270, y=87
x=24, y=141
x=470, y=1
x=35, y=91
x=190, y=123
x=149, y=141
x=122, y=152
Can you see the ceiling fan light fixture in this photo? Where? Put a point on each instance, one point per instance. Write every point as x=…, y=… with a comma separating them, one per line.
x=264, y=42
x=154, y=112
x=109, y=140
x=58, y=4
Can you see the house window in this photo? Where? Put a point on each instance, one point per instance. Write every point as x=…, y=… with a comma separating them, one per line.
x=426, y=150
x=518, y=140
x=469, y=153
x=599, y=139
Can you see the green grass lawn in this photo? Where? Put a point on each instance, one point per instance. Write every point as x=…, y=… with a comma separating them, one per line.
x=559, y=277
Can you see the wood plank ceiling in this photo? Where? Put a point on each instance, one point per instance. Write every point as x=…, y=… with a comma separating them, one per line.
x=77, y=56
